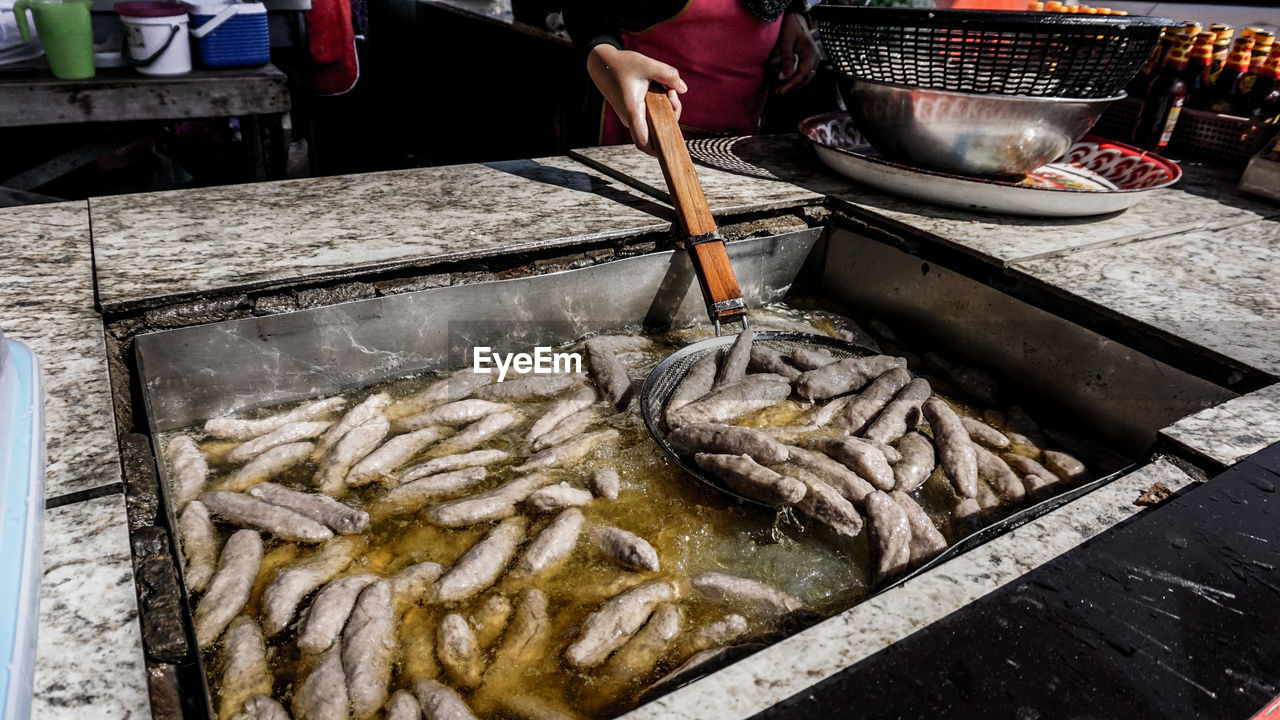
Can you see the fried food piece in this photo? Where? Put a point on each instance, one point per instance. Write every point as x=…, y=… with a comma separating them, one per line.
x=493, y=505
x=753, y=392
x=844, y=376
x=481, y=565
x=412, y=496
x=890, y=535
x=826, y=505
x=369, y=648
x=350, y=449
x=846, y=482
x=527, y=389
x=1066, y=467
x=626, y=549
x=860, y=456
x=695, y=385
x=250, y=512
x=605, y=483
x=412, y=583
x=261, y=707
x=199, y=545
x=230, y=587
x=280, y=599
x=901, y=414
x=439, y=702
x=238, y=429
x=329, y=612
x=614, y=622
x=640, y=655
x=323, y=694
x=188, y=470
x=266, y=466
x=244, y=667
x=372, y=407
x=393, y=453
x=522, y=643
x=917, y=462
x=340, y=518
x=998, y=474
x=609, y=373
x=552, y=546
x=1036, y=479
x=403, y=706
x=926, y=541
x=748, y=477
x=720, y=439
x=569, y=452
x=557, y=497
x=567, y=429
x=458, y=652
x=859, y=412
x=828, y=412
x=490, y=619
x=288, y=433
x=811, y=358
x=449, y=463
x=983, y=433
x=459, y=412
x=955, y=450
x=734, y=366
x=765, y=359
x=474, y=434
x=573, y=403
x=455, y=387
x=734, y=589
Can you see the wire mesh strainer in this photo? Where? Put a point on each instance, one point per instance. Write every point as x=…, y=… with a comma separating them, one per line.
x=1009, y=53
x=667, y=375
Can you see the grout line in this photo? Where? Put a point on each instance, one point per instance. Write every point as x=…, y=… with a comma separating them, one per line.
x=1112, y=242
x=83, y=495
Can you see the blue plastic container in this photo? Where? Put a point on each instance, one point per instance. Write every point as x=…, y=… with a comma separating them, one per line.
x=21, y=523
x=232, y=35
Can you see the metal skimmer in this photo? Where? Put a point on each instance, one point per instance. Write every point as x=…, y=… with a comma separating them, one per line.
x=715, y=277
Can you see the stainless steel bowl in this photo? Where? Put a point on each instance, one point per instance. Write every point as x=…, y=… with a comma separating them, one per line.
x=968, y=133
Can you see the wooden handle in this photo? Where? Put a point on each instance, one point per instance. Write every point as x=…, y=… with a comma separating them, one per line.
x=710, y=259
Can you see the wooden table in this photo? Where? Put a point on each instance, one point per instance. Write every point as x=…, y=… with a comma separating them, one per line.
x=30, y=95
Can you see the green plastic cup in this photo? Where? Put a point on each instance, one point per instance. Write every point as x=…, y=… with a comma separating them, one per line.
x=65, y=32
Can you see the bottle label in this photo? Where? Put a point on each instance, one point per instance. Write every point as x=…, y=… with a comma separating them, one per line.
x=1170, y=121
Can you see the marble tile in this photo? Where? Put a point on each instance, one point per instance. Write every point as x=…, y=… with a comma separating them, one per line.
x=183, y=243
x=806, y=658
x=89, y=661
x=1215, y=289
x=1233, y=430
x=48, y=304
x=1205, y=198
x=727, y=192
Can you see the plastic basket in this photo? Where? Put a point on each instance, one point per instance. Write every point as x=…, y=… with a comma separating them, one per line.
x=1009, y=53
x=1223, y=139
x=230, y=35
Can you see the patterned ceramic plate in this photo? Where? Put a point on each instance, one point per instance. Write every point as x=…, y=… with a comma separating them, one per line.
x=1095, y=176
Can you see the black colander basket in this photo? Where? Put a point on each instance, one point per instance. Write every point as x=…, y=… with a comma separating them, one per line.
x=1009, y=53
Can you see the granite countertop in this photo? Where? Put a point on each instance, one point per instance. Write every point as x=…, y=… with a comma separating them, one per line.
x=1201, y=249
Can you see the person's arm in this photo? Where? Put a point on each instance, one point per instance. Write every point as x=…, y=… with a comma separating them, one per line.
x=622, y=76
x=797, y=50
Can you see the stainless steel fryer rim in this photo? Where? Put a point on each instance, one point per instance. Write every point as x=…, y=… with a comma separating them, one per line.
x=666, y=376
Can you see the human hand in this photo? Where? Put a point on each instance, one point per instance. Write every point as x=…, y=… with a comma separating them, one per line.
x=798, y=52
x=623, y=77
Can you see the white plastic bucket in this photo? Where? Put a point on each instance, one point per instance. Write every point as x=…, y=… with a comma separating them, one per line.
x=156, y=41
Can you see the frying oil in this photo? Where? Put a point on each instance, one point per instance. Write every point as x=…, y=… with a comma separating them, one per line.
x=693, y=527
